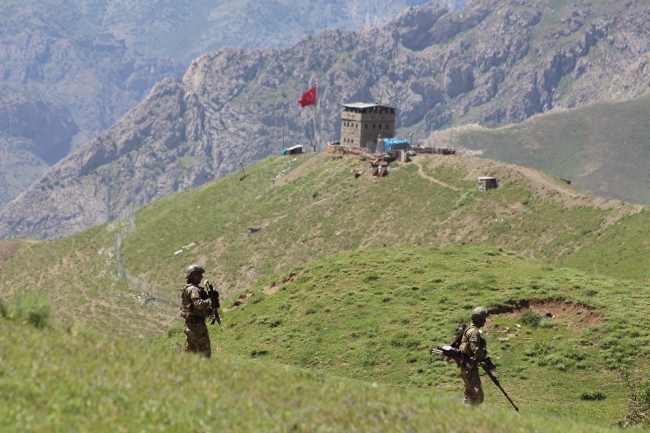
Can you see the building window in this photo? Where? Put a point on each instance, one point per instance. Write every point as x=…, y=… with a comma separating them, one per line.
x=373, y=126
x=386, y=126
x=379, y=126
x=366, y=126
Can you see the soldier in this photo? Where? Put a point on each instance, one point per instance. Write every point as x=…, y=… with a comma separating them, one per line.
x=473, y=344
x=195, y=307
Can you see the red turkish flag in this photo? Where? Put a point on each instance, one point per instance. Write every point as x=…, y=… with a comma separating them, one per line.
x=308, y=98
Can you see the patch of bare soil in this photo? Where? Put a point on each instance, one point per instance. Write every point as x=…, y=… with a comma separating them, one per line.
x=275, y=285
x=8, y=248
x=575, y=316
x=243, y=298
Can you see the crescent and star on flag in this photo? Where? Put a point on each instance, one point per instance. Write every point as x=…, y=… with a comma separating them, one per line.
x=308, y=98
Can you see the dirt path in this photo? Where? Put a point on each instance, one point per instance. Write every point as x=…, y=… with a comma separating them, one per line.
x=532, y=174
x=433, y=179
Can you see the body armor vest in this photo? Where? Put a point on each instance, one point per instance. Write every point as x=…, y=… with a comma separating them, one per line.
x=187, y=307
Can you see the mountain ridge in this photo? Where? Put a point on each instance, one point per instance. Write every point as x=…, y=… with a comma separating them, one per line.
x=493, y=63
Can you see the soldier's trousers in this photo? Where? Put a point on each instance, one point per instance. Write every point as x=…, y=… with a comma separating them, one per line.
x=197, y=338
x=473, y=388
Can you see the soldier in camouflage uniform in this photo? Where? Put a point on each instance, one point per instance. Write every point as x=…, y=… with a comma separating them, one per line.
x=473, y=344
x=195, y=307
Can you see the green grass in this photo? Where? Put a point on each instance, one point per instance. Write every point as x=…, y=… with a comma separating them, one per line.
x=297, y=225
x=372, y=315
x=602, y=148
x=355, y=309
x=322, y=210
x=621, y=251
x=55, y=381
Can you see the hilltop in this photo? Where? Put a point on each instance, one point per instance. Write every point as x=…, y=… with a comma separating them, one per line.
x=495, y=63
x=602, y=148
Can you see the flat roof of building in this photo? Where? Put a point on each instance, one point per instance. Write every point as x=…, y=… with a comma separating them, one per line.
x=363, y=105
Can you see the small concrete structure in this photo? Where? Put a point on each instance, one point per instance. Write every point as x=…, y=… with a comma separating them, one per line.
x=486, y=183
x=362, y=124
x=295, y=150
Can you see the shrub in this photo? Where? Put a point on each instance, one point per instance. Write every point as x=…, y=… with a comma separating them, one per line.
x=370, y=358
x=593, y=396
x=404, y=339
x=176, y=330
x=258, y=298
x=546, y=323
x=370, y=277
x=540, y=348
x=530, y=318
x=27, y=306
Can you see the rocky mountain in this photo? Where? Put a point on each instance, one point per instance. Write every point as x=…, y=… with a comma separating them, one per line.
x=99, y=58
x=184, y=29
x=497, y=62
x=62, y=82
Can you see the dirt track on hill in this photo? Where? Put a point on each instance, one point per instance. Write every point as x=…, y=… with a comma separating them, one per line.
x=532, y=174
x=433, y=179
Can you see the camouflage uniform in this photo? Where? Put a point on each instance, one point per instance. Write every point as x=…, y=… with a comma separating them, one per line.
x=195, y=307
x=472, y=344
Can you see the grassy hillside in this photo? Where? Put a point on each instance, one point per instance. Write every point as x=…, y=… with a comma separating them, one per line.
x=52, y=381
x=602, y=148
x=413, y=254
x=76, y=275
x=372, y=315
x=315, y=208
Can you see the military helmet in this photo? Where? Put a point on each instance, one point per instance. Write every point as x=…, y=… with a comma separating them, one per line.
x=193, y=269
x=479, y=313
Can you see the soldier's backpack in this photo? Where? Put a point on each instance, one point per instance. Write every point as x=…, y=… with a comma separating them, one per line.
x=458, y=335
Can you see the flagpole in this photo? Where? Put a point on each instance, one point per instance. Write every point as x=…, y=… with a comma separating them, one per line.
x=315, y=108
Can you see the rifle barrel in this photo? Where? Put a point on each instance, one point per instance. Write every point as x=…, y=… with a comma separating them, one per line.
x=496, y=382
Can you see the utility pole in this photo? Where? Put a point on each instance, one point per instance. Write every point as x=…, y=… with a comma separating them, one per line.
x=284, y=114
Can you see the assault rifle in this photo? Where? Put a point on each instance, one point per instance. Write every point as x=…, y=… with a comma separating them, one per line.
x=213, y=295
x=455, y=354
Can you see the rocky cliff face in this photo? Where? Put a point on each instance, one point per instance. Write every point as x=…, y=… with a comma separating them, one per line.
x=496, y=62
x=33, y=134
x=60, y=75
x=186, y=29
x=99, y=58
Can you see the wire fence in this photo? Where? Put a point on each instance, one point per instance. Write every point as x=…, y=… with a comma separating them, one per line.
x=152, y=293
